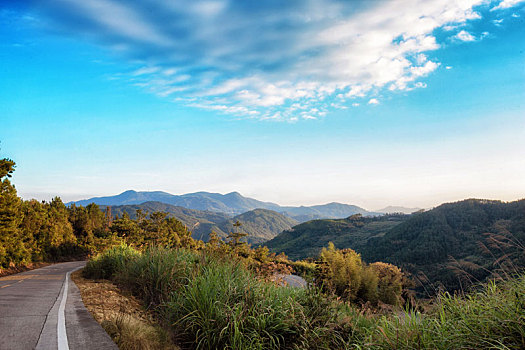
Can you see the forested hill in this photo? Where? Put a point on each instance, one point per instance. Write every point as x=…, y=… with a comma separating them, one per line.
x=307, y=239
x=232, y=204
x=188, y=217
x=456, y=243
x=260, y=224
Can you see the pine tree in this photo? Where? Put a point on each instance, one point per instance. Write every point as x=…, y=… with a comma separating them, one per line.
x=12, y=249
x=236, y=236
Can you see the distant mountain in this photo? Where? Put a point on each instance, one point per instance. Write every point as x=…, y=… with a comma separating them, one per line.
x=260, y=224
x=325, y=211
x=232, y=203
x=394, y=210
x=307, y=239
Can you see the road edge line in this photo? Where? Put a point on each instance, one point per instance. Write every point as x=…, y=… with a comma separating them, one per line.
x=61, y=323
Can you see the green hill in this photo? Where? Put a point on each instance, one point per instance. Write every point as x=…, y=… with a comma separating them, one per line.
x=455, y=244
x=307, y=239
x=449, y=247
x=260, y=224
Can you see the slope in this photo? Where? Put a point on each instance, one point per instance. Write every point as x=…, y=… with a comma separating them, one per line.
x=307, y=239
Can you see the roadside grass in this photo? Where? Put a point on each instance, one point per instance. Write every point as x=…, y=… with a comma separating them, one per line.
x=209, y=302
x=121, y=315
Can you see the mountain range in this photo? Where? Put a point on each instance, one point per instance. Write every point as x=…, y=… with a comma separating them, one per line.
x=232, y=204
x=260, y=224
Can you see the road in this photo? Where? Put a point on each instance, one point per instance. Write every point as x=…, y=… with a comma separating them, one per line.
x=42, y=309
x=293, y=280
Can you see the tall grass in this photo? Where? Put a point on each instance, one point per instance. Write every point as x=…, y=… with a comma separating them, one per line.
x=492, y=318
x=214, y=303
x=106, y=265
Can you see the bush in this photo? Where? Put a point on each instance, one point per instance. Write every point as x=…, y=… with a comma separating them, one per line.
x=157, y=273
x=107, y=264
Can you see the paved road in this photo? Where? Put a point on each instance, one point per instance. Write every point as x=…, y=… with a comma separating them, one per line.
x=42, y=309
x=293, y=280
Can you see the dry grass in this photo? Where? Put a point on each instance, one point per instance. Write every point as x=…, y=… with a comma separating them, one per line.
x=122, y=316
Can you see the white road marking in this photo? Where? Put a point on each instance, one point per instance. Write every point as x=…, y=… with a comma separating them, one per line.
x=61, y=324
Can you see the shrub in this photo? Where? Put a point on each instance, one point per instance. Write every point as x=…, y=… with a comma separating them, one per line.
x=107, y=264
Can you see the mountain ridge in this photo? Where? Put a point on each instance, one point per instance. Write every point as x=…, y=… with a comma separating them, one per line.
x=232, y=203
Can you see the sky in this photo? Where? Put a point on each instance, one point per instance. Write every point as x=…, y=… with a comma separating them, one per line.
x=298, y=102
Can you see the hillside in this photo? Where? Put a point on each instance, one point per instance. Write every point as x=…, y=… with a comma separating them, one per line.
x=455, y=244
x=307, y=239
x=188, y=217
x=232, y=204
x=260, y=224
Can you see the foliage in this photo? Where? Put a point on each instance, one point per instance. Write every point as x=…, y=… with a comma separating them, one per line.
x=343, y=273
x=212, y=301
x=105, y=266
x=215, y=301
x=492, y=318
x=456, y=245
x=307, y=239
x=260, y=224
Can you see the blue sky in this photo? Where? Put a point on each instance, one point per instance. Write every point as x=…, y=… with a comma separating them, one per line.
x=371, y=103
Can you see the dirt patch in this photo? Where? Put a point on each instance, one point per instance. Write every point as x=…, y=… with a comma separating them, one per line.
x=121, y=315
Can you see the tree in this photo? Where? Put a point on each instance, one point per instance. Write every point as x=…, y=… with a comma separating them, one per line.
x=236, y=236
x=12, y=249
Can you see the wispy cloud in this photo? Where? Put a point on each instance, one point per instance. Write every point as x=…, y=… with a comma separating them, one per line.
x=259, y=59
x=505, y=4
x=465, y=36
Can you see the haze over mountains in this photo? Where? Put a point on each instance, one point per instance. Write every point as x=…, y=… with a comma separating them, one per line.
x=232, y=204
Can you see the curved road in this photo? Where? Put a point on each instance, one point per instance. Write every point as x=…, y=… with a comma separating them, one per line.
x=42, y=309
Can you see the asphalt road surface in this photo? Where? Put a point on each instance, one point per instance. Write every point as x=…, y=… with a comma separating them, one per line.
x=42, y=309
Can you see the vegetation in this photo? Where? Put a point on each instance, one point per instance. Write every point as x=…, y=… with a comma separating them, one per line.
x=455, y=245
x=260, y=224
x=307, y=239
x=224, y=294
x=208, y=300
x=122, y=316
x=447, y=248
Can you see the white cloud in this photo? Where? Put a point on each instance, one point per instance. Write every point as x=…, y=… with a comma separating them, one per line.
x=373, y=101
x=505, y=4
x=266, y=58
x=465, y=36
